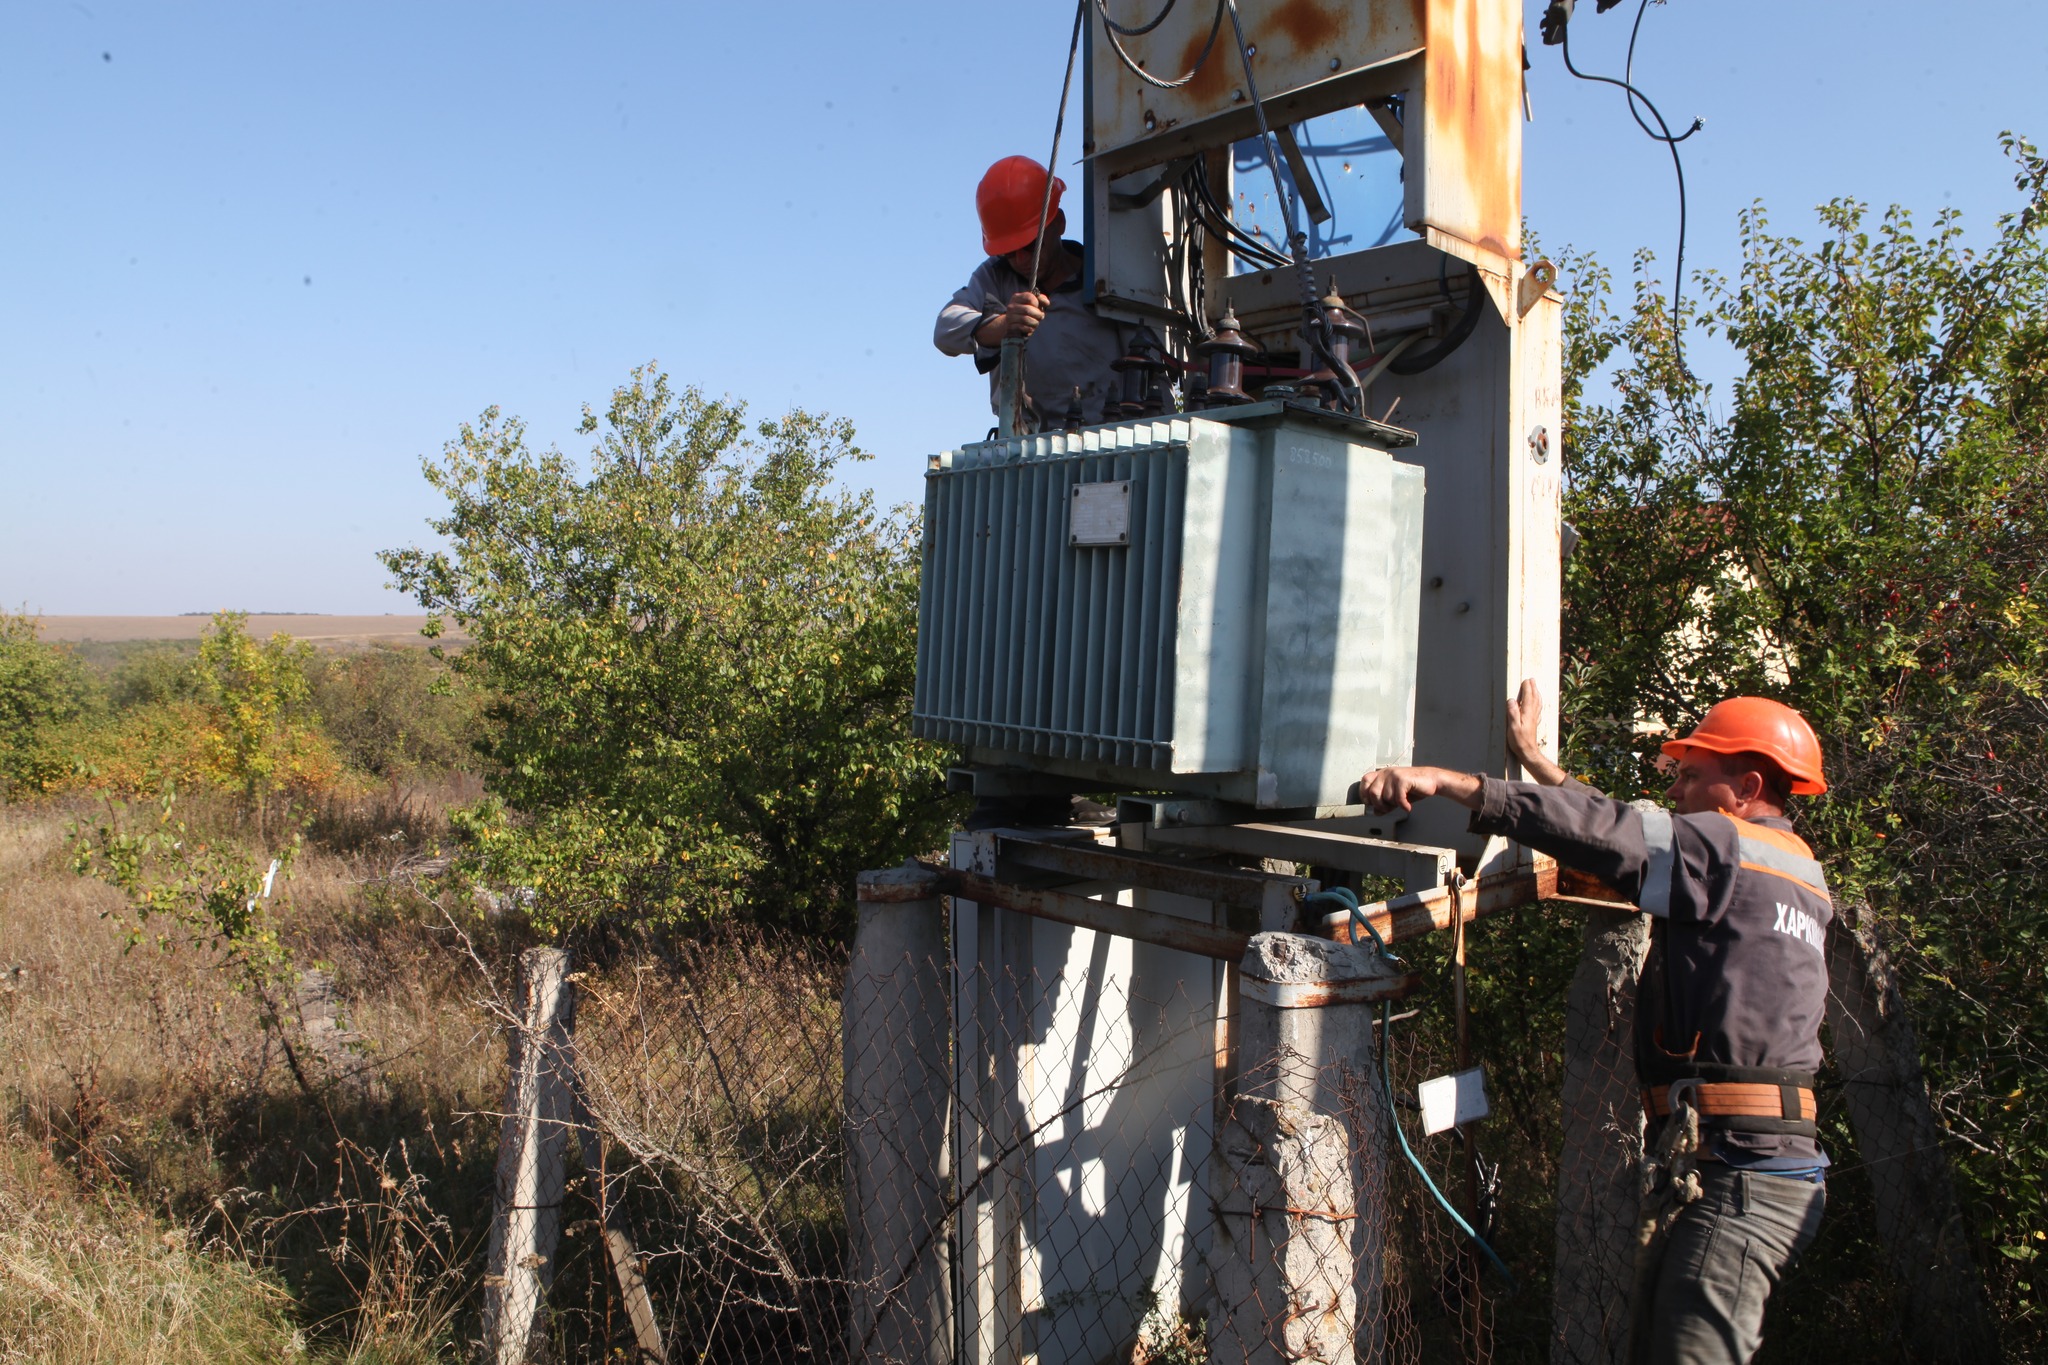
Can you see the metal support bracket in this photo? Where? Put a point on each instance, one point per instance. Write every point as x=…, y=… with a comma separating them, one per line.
x=1304, y=178
x=1420, y=913
x=1321, y=843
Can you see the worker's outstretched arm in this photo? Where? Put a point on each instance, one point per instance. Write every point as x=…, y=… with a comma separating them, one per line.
x=1574, y=824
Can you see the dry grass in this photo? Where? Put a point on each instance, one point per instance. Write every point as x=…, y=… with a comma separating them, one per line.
x=101, y=1281
x=175, y=1185
x=169, y=1188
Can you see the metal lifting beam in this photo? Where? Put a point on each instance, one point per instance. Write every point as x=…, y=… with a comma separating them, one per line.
x=1322, y=843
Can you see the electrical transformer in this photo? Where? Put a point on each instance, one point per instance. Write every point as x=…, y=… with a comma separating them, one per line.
x=1222, y=606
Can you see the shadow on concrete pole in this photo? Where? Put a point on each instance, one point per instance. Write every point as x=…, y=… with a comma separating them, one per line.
x=895, y=1034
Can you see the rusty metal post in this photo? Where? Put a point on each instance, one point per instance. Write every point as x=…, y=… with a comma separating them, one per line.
x=895, y=1028
x=1603, y=1144
x=532, y=1147
x=1301, y=1216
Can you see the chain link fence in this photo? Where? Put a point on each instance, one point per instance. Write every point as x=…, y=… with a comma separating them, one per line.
x=989, y=1139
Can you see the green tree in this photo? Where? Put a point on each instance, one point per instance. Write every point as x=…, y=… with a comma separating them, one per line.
x=1861, y=530
x=700, y=654
x=263, y=738
x=42, y=689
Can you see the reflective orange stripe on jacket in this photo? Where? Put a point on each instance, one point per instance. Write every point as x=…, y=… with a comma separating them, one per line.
x=1776, y=853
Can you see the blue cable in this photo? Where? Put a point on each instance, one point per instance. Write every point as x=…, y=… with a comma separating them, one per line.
x=1343, y=896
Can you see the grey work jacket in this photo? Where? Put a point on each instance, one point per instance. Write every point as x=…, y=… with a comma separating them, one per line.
x=1737, y=974
x=1073, y=346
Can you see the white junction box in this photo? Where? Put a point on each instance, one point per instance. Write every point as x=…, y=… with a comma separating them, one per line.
x=1453, y=1100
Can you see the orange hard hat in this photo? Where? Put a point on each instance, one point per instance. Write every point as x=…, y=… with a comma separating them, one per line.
x=1758, y=725
x=1008, y=200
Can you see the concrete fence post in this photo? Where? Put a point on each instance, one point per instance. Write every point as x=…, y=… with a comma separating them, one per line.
x=1899, y=1140
x=1598, y=1172
x=1301, y=1216
x=532, y=1144
x=895, y=1033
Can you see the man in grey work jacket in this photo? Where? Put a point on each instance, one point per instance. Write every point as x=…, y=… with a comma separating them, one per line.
x=1729, y=1008
x=1071, y=346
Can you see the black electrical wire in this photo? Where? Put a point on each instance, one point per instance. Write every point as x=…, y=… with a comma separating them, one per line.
x=1241, y=242
x=1155, y=21
x=1253, y=246
x=1475, y=302
x=1663, y=135
x=1628, y=73
x=1110, y=31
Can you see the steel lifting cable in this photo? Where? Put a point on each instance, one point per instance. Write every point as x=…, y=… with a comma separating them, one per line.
x=1059, y=124
x=1144, y=28
x=1316, y=326
x=1111, y=29
x=1010, y=377
x=1345, y=897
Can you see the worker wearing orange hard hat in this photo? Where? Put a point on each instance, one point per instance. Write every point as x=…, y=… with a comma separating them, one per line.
x=1728, y=1008
x=1071, y=347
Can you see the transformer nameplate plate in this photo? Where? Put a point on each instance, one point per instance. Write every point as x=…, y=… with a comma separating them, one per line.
x=1100, y=513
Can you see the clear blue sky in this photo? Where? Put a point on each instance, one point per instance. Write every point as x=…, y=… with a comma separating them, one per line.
x=255, y=260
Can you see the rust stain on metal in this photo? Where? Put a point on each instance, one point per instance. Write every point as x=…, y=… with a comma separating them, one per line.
x=1091, y=862
x=1307, y=24
x=1474, y=108
x=1588, y=889
x=1211, y=84
x=1353, y=993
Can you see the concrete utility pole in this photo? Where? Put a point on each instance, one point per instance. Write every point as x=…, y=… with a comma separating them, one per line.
x=1899, y=1138
x=896, y=1041
x=1597, y=1200
x=1301, y=1197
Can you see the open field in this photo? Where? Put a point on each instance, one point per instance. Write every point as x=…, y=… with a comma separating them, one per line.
x=332, y=632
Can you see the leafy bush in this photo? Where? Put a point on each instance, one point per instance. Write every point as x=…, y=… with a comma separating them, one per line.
x=700, y=659
x=156, y=674
x=238, y=719
x=42, y=689
x=391, y=711
x=1863, y=531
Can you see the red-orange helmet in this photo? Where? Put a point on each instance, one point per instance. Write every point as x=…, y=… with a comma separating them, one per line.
x=1008, y=200
x=1758, y=725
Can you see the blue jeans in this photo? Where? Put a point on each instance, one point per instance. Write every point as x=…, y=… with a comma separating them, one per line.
x=1726, y=1253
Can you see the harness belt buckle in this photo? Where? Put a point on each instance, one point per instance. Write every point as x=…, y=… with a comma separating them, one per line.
x=1686, y=1087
